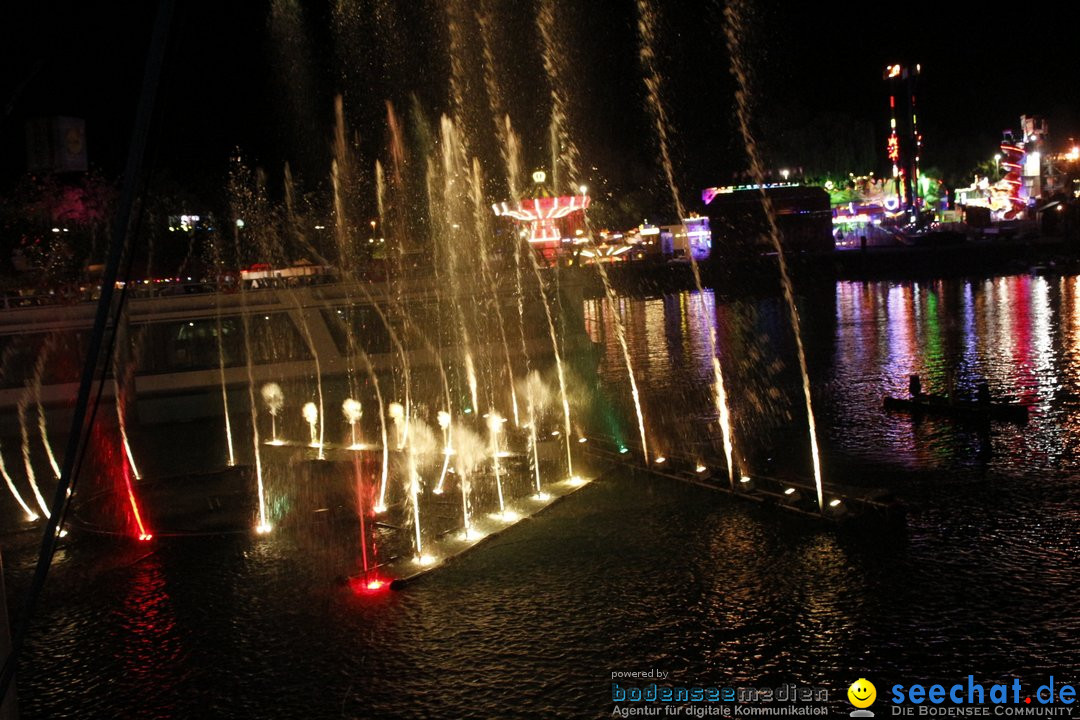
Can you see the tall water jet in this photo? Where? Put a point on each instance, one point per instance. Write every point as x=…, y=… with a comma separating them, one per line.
x=470, y=376
x=494, y=423
x=263, y=525
x=123, y=378
x=421, y=441
x=564, y=151
x=126, y=469
x=361, y=512
x=23, y=400
x=320, y=416
x=647, y=56
x=219, y=335
x=468, y=453
x=397, y=414
x=620, y=334
x=567, y=426
x=311, y=417
x=414, y=498
x=380, y=505
x=352, y=411
x=454, y=218
x=511, y=149
x=392, y=218
x=43, y=430
x=30, y=514
x=448, y=449
x=121, y=418
x=536, y=399
x=274, y=399
x=733, y=29
x=339, y=180
x=482, y=232
x=504, y=132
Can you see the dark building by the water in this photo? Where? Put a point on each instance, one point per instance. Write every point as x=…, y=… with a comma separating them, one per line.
x=737, y=217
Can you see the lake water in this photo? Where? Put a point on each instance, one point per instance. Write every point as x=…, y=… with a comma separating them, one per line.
x=633, y=573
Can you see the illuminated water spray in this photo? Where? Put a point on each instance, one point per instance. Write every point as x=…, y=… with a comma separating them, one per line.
x=511, y=151
x=380, y=505
x=362, y=512
x=620, y=334
x=421, y=441
x=121, y=418
x=468, y=452
x=414, y=498
x=320, y=416
x=558, y=67
x=494, y=423
x=311, y=417
x=339, y=180
x=482, y=231
x=733, y=29
x=647, y=56
x=558, y=361
x=352, y=411
x=144, y=534
x=30, y=476
x=263, y=525
x=536, y=399
x=30, y=514
x=470, y=374
x=221, y=354
x=39, y=369
x=274, y=399
x=224, y=389
x=454, y=218
x=448, y=449
x=397, y=414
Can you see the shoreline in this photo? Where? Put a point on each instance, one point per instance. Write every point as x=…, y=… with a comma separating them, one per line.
x=752, y=275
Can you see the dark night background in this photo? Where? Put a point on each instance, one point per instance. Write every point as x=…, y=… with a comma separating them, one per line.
x=261, y=76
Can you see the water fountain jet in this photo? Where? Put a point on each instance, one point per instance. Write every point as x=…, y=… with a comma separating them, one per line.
x=275, y=400
x=352, y=411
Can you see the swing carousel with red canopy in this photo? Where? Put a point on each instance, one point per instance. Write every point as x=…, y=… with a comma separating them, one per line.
x=551, y=223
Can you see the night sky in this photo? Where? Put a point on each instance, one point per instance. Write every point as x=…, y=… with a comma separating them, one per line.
x=261, y=76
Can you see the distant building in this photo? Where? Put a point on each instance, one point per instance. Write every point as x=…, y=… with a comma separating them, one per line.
x=56, y=145
x=692, y=238
x=737, y=216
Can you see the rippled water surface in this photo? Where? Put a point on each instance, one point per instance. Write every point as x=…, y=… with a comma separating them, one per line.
x=633, y=573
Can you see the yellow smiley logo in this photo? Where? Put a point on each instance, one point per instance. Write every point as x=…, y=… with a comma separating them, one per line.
x=862, y=693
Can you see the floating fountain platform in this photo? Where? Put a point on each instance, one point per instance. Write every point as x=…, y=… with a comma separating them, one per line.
x=844, y=505
x=451, y=545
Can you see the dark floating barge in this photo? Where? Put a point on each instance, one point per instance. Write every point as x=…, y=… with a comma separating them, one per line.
x=844, y=505
x=969, y=410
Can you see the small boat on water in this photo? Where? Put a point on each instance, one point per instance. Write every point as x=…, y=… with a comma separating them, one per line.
x=973, y=410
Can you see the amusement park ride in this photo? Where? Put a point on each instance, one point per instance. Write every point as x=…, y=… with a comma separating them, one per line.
x=548, y=221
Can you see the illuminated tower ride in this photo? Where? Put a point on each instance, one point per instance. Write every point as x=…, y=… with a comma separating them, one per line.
x=905, y=142
x=549, y=222
x=1022, y=161
x=1012, y=161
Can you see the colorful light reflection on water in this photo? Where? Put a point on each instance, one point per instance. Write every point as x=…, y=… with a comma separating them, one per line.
x=1020, y=333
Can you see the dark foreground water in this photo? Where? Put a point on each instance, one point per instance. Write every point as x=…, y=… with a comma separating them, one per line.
x=634, y=573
